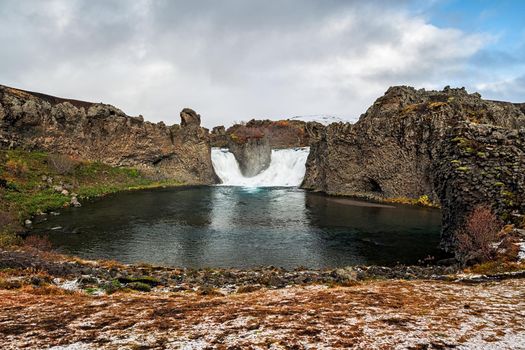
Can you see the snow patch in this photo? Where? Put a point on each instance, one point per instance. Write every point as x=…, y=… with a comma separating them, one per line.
x=323, y=119
x=521, y=253
x=71, y=285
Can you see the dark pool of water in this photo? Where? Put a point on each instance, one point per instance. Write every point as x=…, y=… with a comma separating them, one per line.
x=239, y=227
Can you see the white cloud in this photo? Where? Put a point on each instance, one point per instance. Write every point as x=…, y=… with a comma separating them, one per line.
x=508, y=89
x=229, y=60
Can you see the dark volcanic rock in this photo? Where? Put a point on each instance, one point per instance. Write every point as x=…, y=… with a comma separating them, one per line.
x=389, y=151
x=189, y=117
x=96, y=131
x=89, y=273
x=412, y=143
x=281, y=133
x=480, y=164
x=218, y=137
x=253, y=155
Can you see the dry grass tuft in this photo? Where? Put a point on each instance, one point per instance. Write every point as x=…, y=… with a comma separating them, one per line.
x=61, y=163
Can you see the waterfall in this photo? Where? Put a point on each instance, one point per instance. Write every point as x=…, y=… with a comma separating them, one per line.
x=287, y=168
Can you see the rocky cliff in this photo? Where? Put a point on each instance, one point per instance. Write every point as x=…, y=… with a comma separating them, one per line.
x=480, y=164
x=280, y=134
x=101, y=132
x=452, y=146
x=389, y=151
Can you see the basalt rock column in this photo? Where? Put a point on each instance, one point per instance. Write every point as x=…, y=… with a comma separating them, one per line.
x=480, y=164
x=389, y=151
x=253, y=154
x=191, y=157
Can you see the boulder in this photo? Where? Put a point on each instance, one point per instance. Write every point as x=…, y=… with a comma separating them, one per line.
x=74, y=202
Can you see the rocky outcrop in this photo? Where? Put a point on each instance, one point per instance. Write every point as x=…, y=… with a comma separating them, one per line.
x=101, y=132
x=192, y=159
x=188, y=117
x=454, y=147
x=389, y=151
x=281, y=133
x=480, y=165
x=218, y=137
x=253, y=154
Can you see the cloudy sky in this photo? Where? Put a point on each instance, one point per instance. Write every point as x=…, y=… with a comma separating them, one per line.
x=232, y=60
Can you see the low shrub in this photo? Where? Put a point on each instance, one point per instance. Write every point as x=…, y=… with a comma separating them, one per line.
x=282, y=123
x=9, y=240
x=243, y=133
x=8, y=228
x=10, y=284
x=248, y=288
x=36, y=242
x=111, y=286
x=424, y=201
x=477, y=241
x=61, y=163
x=208, y=291
x=149, y=280
x=493, y=267
x=16, y=168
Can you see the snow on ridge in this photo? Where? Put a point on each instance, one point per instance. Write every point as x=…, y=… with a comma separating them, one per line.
x=323, y=119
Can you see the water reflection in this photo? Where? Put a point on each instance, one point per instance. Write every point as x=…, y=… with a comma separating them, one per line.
x=373, y=234
x=241, y=227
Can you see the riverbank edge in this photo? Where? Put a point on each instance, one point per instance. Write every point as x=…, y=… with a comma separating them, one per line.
x=422, y=201
x=49, y=272
x=31, y=187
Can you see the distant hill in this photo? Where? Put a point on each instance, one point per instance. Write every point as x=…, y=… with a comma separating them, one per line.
x=322, y=119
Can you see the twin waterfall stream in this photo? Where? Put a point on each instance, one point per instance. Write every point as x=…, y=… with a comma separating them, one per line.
x=286, y=169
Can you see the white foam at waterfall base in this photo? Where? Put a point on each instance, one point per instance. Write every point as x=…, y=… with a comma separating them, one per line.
x=287, y=168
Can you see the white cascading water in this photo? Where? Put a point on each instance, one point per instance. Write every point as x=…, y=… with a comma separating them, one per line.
x=287, y=168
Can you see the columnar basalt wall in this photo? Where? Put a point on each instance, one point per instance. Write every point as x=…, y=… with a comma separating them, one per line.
x=96, y=131
x=454, y=147
x=480, y=164
x=389, y=151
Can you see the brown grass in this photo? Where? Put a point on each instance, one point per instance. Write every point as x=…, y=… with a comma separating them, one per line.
x=370, y=315
x=498, y=266
x=39, y=243
x=243, y=133
x=61, y=164
x=16, y=168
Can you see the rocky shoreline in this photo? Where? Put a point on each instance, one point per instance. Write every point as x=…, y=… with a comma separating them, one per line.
x=107, y=277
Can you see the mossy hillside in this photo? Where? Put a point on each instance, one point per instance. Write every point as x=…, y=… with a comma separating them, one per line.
x=29, y=181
